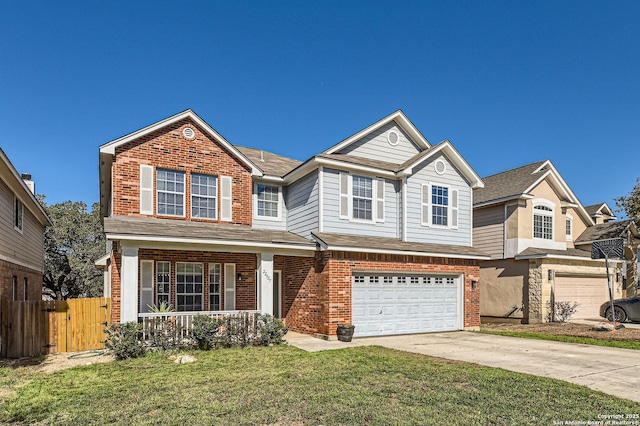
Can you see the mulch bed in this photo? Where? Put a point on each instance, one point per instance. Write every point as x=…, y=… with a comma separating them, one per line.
x=567, y=329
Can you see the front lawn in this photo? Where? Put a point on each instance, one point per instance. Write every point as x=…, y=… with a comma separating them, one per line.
x=284, y=385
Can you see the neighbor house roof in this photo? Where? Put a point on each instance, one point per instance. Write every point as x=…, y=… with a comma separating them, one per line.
x=167, y=231
x=385, y=245
x=601, y=209
x=533, y=253
x=14, y=181
x=606, y=231
x=519, y=182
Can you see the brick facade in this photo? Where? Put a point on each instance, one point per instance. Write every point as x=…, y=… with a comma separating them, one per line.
x=317, y=295
x=33, y=278
x=168, y=149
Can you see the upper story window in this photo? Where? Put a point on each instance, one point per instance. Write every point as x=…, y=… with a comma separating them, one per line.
x=439, y=206
x=267, y=201
x=170, y=192
x=569, y=228
x=361, y=198
x=542, y=222
x=204, y=190
x=18, y=214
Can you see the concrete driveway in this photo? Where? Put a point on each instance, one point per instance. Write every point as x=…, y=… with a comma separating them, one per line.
x=610, y=370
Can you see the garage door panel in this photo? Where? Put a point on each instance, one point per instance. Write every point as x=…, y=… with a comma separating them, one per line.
x=589, y=292
x=405, y=304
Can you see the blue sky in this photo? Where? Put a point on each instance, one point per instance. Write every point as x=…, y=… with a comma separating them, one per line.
x=508, y=82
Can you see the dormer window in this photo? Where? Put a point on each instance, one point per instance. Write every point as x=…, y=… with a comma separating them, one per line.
x=543, y=222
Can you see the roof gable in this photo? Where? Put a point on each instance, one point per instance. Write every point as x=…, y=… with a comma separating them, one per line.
x=409, y=134
x=110, y=147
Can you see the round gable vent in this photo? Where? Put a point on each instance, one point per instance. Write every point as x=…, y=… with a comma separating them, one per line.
x=393, y=137
x=440, y=167
x=188, y=133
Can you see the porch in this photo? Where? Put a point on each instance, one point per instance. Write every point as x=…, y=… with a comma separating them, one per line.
x=182, y=322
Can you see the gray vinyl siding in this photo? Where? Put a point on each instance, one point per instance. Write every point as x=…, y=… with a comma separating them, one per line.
x=375, y=146
x=488, y=230
x=416, y=232
x=272, y=225
x=26, y=247
x=331, y=209
x=302, y=205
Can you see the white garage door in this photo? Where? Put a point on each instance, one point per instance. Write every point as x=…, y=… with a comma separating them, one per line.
x=400, y=304
x=589, y=292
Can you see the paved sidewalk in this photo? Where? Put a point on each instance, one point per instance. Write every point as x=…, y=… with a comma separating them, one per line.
x=610, y=370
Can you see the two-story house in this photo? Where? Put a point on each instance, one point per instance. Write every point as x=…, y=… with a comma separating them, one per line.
x=375, y=231
x=539, y=238
x=22, y=226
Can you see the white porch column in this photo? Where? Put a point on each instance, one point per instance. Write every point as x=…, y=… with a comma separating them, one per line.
x=265, y=277
x=129, y=285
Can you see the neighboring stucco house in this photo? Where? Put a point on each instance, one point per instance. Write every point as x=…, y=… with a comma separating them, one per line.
x=22, y=226
x=375, y=231
x=539, y=238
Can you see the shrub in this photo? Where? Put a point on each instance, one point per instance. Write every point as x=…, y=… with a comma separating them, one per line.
x=561, y=311
x=125, y=340
x=205, y=331
x=164, y=334
x=269, y=330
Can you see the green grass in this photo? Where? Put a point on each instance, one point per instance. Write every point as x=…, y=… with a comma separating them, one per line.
x=285, y=385
x=567, y=339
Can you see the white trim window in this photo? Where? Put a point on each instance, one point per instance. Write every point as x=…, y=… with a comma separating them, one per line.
x=542, y=222
x=267, y=201
x=163, y=283
x=361, y=198
x=215, y=280
x=189, y=286
x=568, y=227
x=204, y=199
x=439, y=206
x=18, y=214
x=170, y=192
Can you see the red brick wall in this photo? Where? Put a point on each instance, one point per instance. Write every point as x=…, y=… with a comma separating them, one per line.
x=116, y=265
x=318, y=292
x=34, y=281
x=168, y=149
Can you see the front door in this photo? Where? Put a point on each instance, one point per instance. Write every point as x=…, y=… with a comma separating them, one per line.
x=277, y=294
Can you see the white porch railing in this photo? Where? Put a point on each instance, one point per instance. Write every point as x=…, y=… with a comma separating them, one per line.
x=182, y=320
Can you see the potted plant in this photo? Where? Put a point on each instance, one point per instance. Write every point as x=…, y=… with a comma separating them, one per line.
x=345, y=332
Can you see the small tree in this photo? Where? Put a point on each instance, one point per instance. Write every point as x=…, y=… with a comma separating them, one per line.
x=630, y=203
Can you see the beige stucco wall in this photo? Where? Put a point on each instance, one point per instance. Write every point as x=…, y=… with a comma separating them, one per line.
x=501, y=287
x=539, y=286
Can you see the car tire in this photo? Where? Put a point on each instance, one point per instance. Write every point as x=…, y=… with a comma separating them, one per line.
x=621, y=315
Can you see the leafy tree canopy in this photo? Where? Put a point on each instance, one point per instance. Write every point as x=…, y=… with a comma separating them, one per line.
x=72, y=245
x=630, y=203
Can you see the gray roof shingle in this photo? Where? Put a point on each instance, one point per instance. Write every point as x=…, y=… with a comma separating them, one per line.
x=571, y=252
x=506, y=184
x=268, y=162
x=198, y=230
x=382, y=243
x=604, y=231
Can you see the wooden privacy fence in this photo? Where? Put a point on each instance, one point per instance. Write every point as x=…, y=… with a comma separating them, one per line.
x=38, y=327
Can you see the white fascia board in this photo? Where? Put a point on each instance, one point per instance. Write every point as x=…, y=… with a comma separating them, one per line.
x=110, y=147
x=326, y=247
x=503, y=200
x=271, y=178
x=454, y=156
x=399, y=118
x=218, y=245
